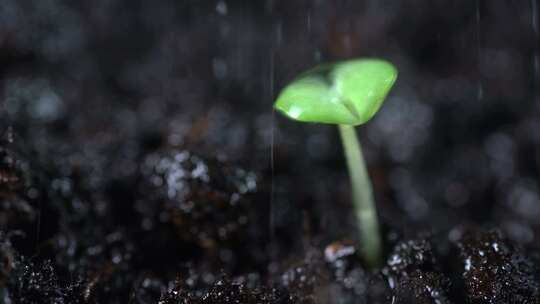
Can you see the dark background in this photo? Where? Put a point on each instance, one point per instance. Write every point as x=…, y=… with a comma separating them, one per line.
x=456, y=143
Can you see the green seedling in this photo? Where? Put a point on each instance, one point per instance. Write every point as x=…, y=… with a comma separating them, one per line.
x=346, y=94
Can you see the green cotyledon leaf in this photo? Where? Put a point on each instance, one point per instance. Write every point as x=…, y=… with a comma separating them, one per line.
x=347, y=93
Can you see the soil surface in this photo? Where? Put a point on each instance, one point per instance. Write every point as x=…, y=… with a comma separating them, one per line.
x=140, y=160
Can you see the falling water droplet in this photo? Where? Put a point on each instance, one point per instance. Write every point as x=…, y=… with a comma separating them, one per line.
x=317, y=56
x=272, y=190
x=480, y=91
x=279, y=33
x=308, y=21
x=536, y=59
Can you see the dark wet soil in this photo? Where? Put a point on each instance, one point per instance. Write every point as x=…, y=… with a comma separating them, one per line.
x=185, y=228
x=140, y=161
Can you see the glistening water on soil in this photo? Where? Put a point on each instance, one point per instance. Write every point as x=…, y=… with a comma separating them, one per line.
x=141, y=162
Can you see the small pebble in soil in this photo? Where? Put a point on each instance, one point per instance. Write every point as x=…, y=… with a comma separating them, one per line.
x=350, y=282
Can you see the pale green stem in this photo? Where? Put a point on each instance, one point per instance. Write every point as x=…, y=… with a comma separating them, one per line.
x=362, y=197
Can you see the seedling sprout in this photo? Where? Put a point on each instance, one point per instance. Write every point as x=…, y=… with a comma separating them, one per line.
x=346, y=94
